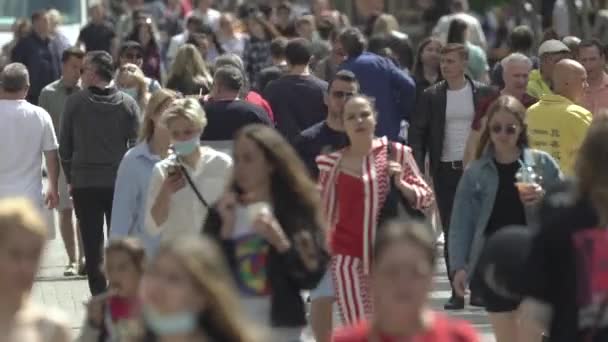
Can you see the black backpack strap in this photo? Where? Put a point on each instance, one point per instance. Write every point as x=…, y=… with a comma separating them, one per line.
x=193, y=186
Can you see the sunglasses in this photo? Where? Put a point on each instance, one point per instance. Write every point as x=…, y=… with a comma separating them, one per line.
x=341, y=94
x=132, y=56
x=508, y=129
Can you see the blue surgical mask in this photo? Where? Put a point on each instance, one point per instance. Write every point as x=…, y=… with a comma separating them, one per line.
x=131, y=92
x=170, y=324
x=184, y=148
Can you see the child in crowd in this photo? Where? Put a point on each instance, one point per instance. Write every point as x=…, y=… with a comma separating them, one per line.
x=111, y=315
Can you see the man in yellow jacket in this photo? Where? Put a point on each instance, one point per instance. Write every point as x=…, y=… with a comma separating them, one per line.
x=556, y=124
x=550, y=52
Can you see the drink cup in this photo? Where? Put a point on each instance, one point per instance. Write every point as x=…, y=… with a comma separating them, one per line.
x=255, y=209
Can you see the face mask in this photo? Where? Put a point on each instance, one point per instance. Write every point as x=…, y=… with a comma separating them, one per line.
x=184, y=148
x=170, y=324
x=131, y=92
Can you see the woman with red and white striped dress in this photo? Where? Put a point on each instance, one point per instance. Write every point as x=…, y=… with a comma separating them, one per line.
x=355, y=182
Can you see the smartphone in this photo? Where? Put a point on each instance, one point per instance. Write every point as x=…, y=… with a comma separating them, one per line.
x=172, y=170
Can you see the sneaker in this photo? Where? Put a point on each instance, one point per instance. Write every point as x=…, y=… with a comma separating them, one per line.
x=82, y=269
x=70, y=270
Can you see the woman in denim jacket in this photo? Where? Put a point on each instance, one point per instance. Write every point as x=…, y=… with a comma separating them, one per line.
x=487, y=200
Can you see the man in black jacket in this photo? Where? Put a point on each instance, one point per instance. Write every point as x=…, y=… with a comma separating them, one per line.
x=441, y=126
x=98, y=125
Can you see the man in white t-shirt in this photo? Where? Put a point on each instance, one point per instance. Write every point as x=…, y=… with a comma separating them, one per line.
x=441, y=126
x=26, y=133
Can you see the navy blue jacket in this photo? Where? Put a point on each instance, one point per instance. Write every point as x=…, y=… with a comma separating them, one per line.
x=393, y=89
x=42, y=62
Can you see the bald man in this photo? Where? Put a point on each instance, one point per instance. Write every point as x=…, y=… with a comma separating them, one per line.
x=556, y=124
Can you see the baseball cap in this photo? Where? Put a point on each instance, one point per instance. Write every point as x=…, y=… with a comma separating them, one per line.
x=552, y=46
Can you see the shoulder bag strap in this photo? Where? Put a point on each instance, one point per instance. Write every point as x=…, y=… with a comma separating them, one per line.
x=193, y=186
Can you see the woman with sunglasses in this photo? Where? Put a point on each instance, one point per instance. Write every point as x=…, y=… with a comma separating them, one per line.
x=488, y=199
x=355, y=183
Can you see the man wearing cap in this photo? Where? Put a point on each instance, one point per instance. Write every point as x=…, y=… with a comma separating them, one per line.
x=98, y=125
x=550, y=52
x=132, y=52
x=556, y=124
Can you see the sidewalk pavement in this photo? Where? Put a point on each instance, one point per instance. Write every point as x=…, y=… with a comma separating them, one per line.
x=52, y=289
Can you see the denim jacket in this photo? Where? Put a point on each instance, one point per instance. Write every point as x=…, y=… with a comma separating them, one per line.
x=474, y=202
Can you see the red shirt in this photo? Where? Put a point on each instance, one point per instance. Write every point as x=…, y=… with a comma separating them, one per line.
x=258, y=100
x=347, y=236
x=443, y=329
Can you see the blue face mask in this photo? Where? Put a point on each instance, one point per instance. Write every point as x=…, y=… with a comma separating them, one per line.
x=131, y=92
x=184, y=148
x=170, y=324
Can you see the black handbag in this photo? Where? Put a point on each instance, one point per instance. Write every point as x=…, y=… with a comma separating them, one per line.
x=396, y=206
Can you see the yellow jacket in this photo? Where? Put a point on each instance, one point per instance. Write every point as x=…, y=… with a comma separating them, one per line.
x=537, y=86
x=558, y=126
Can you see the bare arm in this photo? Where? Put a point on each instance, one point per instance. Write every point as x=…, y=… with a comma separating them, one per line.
x=160, y=208
x=52, y=167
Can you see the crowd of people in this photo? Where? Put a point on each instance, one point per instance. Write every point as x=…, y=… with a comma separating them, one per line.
x=220, y=164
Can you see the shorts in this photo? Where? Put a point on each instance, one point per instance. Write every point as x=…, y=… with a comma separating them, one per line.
x=325, y=289
x=65, y=200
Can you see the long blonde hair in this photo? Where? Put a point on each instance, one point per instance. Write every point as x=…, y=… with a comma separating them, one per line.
x=189, y=63
x=134, y=74
x=159, y=99
x=210, y=275
x=510, y=105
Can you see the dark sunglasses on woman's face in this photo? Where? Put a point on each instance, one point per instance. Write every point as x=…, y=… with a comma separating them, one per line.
x=341, y=94
x=508, y=129
x=132, y=56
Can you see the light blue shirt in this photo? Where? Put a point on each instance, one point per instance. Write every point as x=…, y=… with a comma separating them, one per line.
x=130, y=194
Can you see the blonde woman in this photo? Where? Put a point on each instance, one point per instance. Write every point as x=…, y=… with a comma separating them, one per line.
x=22, y=237
x=487, y=201
x=189, y=73
x=135, y=171
x=385, y=24
x=188, y=295
x=192, y=177
x=131, y=80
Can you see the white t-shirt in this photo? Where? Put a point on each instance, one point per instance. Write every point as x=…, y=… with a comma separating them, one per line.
x=459, y=113
x=25, y=132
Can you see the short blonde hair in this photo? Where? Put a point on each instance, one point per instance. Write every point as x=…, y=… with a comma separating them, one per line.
x=20, y=214
x=189, y=109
